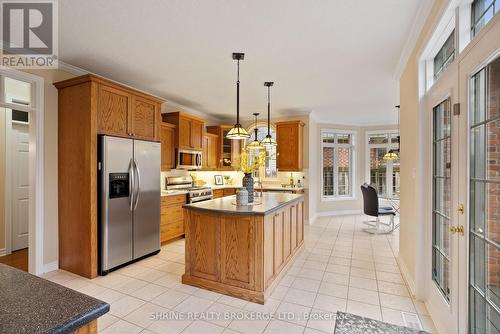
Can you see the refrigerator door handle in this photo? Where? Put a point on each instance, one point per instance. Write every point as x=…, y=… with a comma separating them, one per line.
x=131, y=184
x=138, y=171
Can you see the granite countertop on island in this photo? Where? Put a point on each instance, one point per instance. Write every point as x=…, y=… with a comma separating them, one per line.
x=264, y=205
x=31, y=304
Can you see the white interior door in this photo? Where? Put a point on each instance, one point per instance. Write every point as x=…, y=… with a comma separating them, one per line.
x=20, y=185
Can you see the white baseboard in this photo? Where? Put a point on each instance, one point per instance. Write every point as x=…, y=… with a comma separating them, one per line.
x=406, y=275
x=48, y=267
x=3, y=251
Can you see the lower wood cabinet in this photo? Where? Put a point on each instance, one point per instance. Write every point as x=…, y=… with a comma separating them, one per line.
x=242, y=255
x=172, y=217
x=218, y=193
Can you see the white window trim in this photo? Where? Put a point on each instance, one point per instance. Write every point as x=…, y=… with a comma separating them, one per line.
x=456, y=15
x=352, y=164
x=389, y=146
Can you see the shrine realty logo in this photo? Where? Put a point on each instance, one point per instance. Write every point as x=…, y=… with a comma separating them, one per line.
x=29, y=34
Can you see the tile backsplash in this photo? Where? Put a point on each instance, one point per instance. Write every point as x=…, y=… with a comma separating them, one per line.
x=236, y=177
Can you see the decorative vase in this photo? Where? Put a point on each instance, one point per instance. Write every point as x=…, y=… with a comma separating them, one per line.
x=242, y=197
x=248, y=184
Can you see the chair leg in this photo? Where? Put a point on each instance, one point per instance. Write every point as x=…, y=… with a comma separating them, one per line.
x=376, y=229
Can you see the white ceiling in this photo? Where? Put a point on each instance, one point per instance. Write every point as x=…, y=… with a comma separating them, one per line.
x=334, y=57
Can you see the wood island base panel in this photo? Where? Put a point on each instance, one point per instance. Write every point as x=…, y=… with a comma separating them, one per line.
x=243, y=251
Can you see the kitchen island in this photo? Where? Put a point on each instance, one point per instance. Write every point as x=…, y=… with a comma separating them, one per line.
x=243, y=251
x=31, y=304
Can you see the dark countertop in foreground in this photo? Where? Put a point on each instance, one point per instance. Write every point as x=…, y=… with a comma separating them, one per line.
x=270, y=202
x=30, y=304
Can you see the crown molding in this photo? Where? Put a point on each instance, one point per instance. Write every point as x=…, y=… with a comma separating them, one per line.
x=418, y=23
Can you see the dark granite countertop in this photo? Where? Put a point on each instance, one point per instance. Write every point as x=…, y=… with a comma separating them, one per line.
x=269, y=202
x=30, y=304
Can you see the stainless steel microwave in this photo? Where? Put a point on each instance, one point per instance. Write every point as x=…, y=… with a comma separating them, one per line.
x=187, y=159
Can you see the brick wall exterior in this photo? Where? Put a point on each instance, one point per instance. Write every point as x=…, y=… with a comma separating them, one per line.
x=493, y=163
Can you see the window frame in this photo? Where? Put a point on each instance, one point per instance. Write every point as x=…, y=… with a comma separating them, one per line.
x=389, y=181
x=352, y=164
x=473, y=22
x=250, y=130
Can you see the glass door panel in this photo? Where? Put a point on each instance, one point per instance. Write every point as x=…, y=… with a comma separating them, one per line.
x=441, y=203
x=484, y=194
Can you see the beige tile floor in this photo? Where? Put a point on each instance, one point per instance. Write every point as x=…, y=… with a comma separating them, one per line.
x=341, y=268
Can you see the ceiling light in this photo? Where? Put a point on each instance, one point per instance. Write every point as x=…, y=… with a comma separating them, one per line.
x=238, y=132
x=255, y=144
x=269, y=140
x=393, y=154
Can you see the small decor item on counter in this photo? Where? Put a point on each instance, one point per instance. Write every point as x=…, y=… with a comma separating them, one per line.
x=250, y=162
x=242, y=197
x=292, y=182
x=248, y=184
x=219, y=180
x=228, y=180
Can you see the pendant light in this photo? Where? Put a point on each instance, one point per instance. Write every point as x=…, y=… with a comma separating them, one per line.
x=393, y=154
x=268, y=141
x=255, y=144
x=238, y=132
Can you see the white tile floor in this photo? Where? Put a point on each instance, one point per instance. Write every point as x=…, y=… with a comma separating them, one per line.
x=341, y=268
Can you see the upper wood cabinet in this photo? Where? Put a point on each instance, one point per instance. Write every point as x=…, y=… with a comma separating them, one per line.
x=113, y=106
x=145, y=116
x=167, y=141
x=289, y=136
x=88, y=106
x=189, y=133
x=228, y=150
x=209, y=158
x=122, y=111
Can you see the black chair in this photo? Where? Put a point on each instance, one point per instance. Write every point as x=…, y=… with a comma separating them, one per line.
x=371, y=208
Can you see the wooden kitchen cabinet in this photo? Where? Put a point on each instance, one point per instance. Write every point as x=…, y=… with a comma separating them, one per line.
x=218, y=193
x=172, y=217
x=290, y=138
x=167, y=141
x=123, y=113
x=228, y=150
x=189, y=132
x=210, y=151
x=88, y=106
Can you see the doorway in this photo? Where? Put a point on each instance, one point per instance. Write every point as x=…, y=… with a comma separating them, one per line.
x=21, y=170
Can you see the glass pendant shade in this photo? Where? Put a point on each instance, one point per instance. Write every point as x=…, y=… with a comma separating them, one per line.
x=255, y=144
x=268, y=141
x=391, y=155
x=238, y=132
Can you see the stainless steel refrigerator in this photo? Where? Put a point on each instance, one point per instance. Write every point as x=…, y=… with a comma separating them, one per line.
x=129, y=201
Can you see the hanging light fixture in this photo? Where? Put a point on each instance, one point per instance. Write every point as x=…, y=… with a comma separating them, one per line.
x=255, y=144
x=238, y=132
x=393, y=154
x=269, y=140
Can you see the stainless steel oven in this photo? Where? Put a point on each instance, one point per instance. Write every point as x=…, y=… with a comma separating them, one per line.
x=187, y=159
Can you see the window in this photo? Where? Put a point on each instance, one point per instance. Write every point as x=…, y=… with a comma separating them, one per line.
x=481, y=12
x=337, y=149
x=445, y=56
x=271, y=169
x=383, y=174
x=441, y=197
